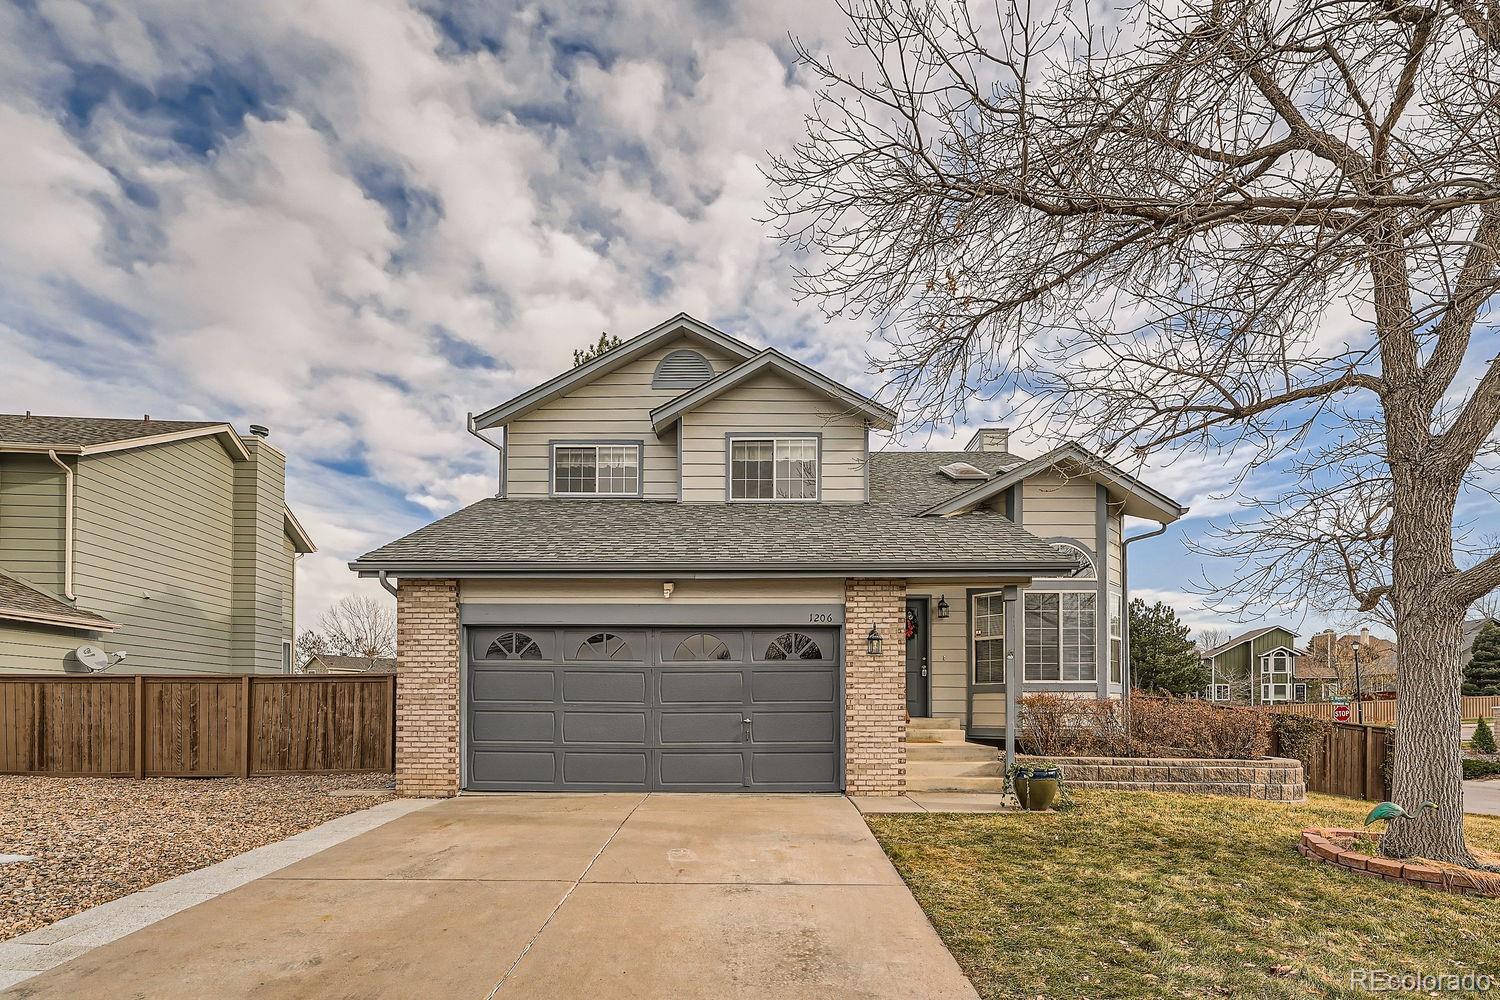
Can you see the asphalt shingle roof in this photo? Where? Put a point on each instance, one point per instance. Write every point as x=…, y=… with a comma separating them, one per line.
x=601, y=534
x=22, y=428
x=19, y=600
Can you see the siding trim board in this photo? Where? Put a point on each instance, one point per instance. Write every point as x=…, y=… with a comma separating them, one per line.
x=664, y=614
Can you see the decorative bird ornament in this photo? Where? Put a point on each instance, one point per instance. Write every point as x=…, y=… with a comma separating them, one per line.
x=1389, y=811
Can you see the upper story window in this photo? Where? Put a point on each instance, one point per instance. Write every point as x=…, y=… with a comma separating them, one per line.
x=773, y=468
x=1085, y=570
x=590, y=470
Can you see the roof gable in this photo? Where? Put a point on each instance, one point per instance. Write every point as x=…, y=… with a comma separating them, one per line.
x=682, y=325
x=772, y=360
x=1249, y=636
x=1140, y=500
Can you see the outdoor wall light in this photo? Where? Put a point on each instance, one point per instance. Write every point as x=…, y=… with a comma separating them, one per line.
x=873, y=642
x=943, y=610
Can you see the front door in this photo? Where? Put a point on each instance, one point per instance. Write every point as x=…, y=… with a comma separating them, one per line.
x=917, y=648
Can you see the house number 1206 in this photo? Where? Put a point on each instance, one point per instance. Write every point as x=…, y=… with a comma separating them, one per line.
x=820, y=617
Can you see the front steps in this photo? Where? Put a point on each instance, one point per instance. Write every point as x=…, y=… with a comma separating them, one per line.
x=938, y=759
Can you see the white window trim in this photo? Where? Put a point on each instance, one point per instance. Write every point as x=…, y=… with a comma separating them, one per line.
x=1218, y=692
x=1060, y=664
x=975, y=639
x=640, y=472
x=1090, y=575
x=734, y=438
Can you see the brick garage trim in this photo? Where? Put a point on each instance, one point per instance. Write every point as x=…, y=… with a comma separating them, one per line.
x=874, y=688
x=1275, y=779
x=427, y=678
x=1350, y=850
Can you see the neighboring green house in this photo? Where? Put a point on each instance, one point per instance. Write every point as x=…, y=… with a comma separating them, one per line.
x=169, y=541
x=697, y=576
x=1258, y=667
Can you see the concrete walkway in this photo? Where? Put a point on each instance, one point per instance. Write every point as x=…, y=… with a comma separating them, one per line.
x=619, y=896
x=23, y=957
x=1482, y=797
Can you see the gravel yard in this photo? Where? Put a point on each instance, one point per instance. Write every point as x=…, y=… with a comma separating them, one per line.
x=97, y=839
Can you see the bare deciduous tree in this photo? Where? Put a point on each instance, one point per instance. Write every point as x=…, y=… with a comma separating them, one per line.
x=1238, y=225
x=355, y=625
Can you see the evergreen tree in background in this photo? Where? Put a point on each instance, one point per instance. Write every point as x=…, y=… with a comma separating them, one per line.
x=1162, y=658
x=1482, y=675
x=1484, y=738
x=606, y=343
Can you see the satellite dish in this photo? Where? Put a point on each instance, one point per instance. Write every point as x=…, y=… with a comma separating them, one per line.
x=96, y=659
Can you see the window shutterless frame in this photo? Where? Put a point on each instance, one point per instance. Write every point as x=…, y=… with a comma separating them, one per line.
x=553, y=447
x=774, y=438
x=1061, y=636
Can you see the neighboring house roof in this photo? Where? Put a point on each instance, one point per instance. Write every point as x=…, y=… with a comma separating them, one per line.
x=1141, y=500
x=772, y=360
x=541, y=536
x=609, y=361
x=28, y=432
x=25, y=603
x=1249, y=636
x=325, y=663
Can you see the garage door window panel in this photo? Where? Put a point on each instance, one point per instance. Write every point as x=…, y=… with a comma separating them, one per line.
x=604, y=646
x=700, y=647
x=793, y=646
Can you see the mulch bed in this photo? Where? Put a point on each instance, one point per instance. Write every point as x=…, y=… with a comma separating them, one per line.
x=97, y=839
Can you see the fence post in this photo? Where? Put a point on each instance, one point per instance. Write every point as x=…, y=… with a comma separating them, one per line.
x=140, y=726
x=245, y=734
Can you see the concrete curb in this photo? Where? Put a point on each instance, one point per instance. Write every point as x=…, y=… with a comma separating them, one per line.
x=50, y=946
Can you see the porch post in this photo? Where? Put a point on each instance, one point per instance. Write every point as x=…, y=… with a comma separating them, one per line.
x=1013, y=631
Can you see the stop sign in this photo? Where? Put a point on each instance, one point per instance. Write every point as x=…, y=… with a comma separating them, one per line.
x=1341, y=712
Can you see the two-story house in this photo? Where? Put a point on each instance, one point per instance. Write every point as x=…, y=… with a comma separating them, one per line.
x=1258, y=667
x=697, y=576
x=167, y=541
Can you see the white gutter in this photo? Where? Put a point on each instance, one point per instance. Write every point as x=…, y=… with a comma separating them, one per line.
x=67, y=524
x=474, y=430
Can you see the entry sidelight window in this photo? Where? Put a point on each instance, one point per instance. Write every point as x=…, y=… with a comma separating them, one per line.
x=989, y=639
x=1060, y=636
x=587, y=470
x=773, y=468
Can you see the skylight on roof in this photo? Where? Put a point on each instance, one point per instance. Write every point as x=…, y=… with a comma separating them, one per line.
x=964, y=472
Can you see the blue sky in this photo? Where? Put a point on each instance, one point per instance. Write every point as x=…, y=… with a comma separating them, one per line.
x=356, y=222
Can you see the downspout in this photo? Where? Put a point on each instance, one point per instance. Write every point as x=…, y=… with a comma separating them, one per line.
x=389, y=587
x=67, y=524
x=1125, y=678
x=472, y=429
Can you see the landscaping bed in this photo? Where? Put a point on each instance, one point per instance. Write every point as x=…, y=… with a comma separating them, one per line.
x=97, y=839
x=1149, y=895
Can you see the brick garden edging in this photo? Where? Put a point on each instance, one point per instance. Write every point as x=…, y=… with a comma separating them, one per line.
x=1339, y=846
x=1274, y=779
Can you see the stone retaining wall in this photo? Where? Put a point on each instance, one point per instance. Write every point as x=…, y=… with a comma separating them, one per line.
x=1276, y=779
x=1346, y=848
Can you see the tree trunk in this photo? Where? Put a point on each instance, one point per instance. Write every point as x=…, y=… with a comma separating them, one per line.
x=1428, y=765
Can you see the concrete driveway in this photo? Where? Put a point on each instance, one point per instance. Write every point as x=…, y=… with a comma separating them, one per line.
x=592, y=896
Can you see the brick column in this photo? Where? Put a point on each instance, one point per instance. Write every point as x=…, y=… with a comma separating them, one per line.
x=427, y=688
x=875, y=688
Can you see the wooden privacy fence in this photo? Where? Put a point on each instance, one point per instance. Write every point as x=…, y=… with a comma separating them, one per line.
x=1351, y=760
x=1384, y=712
x=184, y=725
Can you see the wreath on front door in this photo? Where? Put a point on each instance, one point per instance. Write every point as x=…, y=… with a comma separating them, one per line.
x=911, y=624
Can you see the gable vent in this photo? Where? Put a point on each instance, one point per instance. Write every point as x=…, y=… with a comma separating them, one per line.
x=682, y=369
x=963, y=472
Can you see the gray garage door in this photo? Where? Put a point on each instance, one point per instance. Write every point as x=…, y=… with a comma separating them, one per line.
x=689, y=709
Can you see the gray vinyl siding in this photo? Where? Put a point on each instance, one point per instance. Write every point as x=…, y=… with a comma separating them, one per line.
x=771, y=403
x=39, y=649
x=155, y=552
x=31, y=519
x=616, y=406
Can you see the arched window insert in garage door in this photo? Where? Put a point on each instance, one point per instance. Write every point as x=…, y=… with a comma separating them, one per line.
x=793, y=646
x=513, y=646
x=604, y=646
x=699, y=647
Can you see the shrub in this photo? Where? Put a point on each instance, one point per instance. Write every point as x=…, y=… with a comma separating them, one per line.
x=1484, y=738
x=1298, y=736
x=1474, y=768
x=1053, y=725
